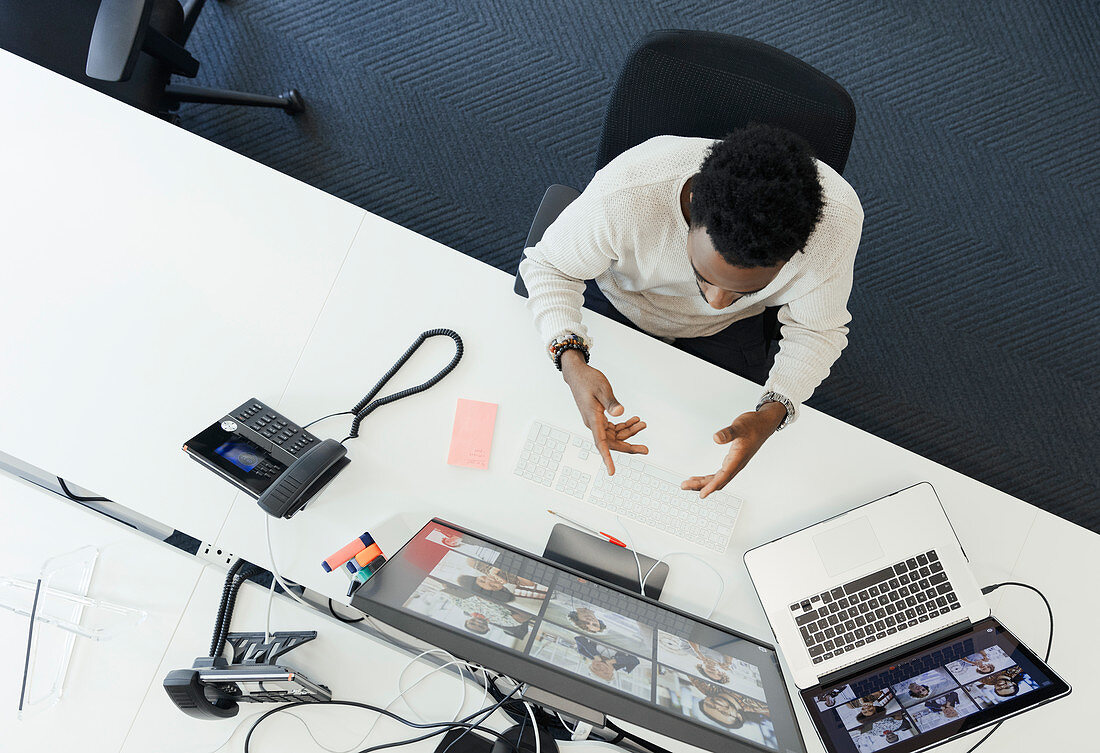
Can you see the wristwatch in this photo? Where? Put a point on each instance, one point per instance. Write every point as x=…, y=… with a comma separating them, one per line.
x=775, y=397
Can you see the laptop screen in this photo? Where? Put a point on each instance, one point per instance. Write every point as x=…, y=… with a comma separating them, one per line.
x=587, y=641
x=958, y=685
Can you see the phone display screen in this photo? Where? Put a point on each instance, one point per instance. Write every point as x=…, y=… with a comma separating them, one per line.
x=241, y=453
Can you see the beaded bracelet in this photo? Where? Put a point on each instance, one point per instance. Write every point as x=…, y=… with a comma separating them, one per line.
x=568, y=342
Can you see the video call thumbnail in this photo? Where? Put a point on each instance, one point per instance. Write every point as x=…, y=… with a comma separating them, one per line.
x=924, y=686
x=584, y=656
x=998, y=687
x=491, y=620
x=977, y=665
x=607, y=626
x=715, y=705
x=859, y=711
x=710, y=665
x=935, y=712
x=883, y=732
x=490, y=582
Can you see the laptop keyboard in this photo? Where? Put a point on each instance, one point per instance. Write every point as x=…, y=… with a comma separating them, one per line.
x=875, y=606
x=640, y=491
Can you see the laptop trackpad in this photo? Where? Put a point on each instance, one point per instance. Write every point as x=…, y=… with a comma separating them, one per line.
x=848, y=546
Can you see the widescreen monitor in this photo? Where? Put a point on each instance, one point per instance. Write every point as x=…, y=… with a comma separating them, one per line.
x=578, y=638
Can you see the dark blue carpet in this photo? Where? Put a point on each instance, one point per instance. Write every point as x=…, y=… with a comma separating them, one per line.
x=974, y=340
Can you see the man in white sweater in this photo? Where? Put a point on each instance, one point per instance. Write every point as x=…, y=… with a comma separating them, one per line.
x=690, y=240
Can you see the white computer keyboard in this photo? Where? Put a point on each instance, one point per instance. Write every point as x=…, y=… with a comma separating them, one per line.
x=639, y=491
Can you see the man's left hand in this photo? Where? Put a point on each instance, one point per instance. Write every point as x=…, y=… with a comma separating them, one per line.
x=745, y=435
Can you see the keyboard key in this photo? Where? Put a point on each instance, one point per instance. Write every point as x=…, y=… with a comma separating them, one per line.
x=869, y=580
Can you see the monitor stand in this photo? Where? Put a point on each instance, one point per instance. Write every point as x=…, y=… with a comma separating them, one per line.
x=604, y=560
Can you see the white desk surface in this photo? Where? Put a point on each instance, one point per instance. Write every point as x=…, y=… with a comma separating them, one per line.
x=107, y=679
x=152, y=282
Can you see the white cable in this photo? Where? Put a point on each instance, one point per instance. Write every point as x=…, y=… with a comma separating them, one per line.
x=713, y=569
x=267, y=622
x=565, y=724
x=634, y=551
x=642, y=579
x=534, y=726
x=379, y=717
x=275, y=570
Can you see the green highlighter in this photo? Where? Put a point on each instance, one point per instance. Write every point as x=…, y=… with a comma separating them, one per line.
x=363, y=574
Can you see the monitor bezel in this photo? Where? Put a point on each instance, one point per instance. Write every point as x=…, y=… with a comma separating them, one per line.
x=566, y=684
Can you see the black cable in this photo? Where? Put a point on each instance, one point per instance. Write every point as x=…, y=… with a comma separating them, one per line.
x=1050, y=640
x=1050, y=612
x=440, y=727
x=482, y=720
x=634, y=738
x=342, y=619
x=238, y=573
x=365, y=406
x=215, y=646
x=77, y=497
x=330, y=415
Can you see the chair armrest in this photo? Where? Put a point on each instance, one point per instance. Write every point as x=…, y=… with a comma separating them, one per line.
x=556, y=199
x=121, y=33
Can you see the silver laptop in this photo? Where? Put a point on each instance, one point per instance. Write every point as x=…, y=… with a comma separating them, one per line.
x=887, y=633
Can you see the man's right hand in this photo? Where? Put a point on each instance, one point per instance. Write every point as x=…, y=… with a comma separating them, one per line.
x=593, y=395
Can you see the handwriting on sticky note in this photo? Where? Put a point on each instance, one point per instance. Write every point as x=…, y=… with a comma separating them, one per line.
x=472, y=436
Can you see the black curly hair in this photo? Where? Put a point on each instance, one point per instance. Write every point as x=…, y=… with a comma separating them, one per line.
x=757, y=195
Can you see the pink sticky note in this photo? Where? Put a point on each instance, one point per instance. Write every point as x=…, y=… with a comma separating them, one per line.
x=472, y=436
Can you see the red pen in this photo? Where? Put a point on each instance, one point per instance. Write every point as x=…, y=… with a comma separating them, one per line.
x=582, y=526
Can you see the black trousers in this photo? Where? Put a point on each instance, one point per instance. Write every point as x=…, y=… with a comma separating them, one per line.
x=747, y=347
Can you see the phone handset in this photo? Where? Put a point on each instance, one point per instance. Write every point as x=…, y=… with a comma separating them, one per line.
x=291, y=490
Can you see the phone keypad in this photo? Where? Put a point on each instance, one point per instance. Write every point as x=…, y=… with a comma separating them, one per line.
x=267, y=423
x=267, y=469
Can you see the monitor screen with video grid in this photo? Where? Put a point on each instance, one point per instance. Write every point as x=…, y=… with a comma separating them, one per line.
x=581, y=639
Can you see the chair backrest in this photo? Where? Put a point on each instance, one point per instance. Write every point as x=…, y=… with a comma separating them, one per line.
x=696, y=83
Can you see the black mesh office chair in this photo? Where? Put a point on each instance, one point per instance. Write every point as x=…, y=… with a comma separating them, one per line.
x=128, y=49
x=698, y=83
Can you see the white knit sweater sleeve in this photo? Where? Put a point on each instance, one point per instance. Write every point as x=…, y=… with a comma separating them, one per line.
x=578, y=246
x=814, y=328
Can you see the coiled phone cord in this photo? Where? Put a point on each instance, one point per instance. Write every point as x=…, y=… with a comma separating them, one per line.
x=365, y=406
x=238, y=573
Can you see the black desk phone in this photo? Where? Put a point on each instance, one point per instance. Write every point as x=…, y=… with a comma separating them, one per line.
x=266, y=455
